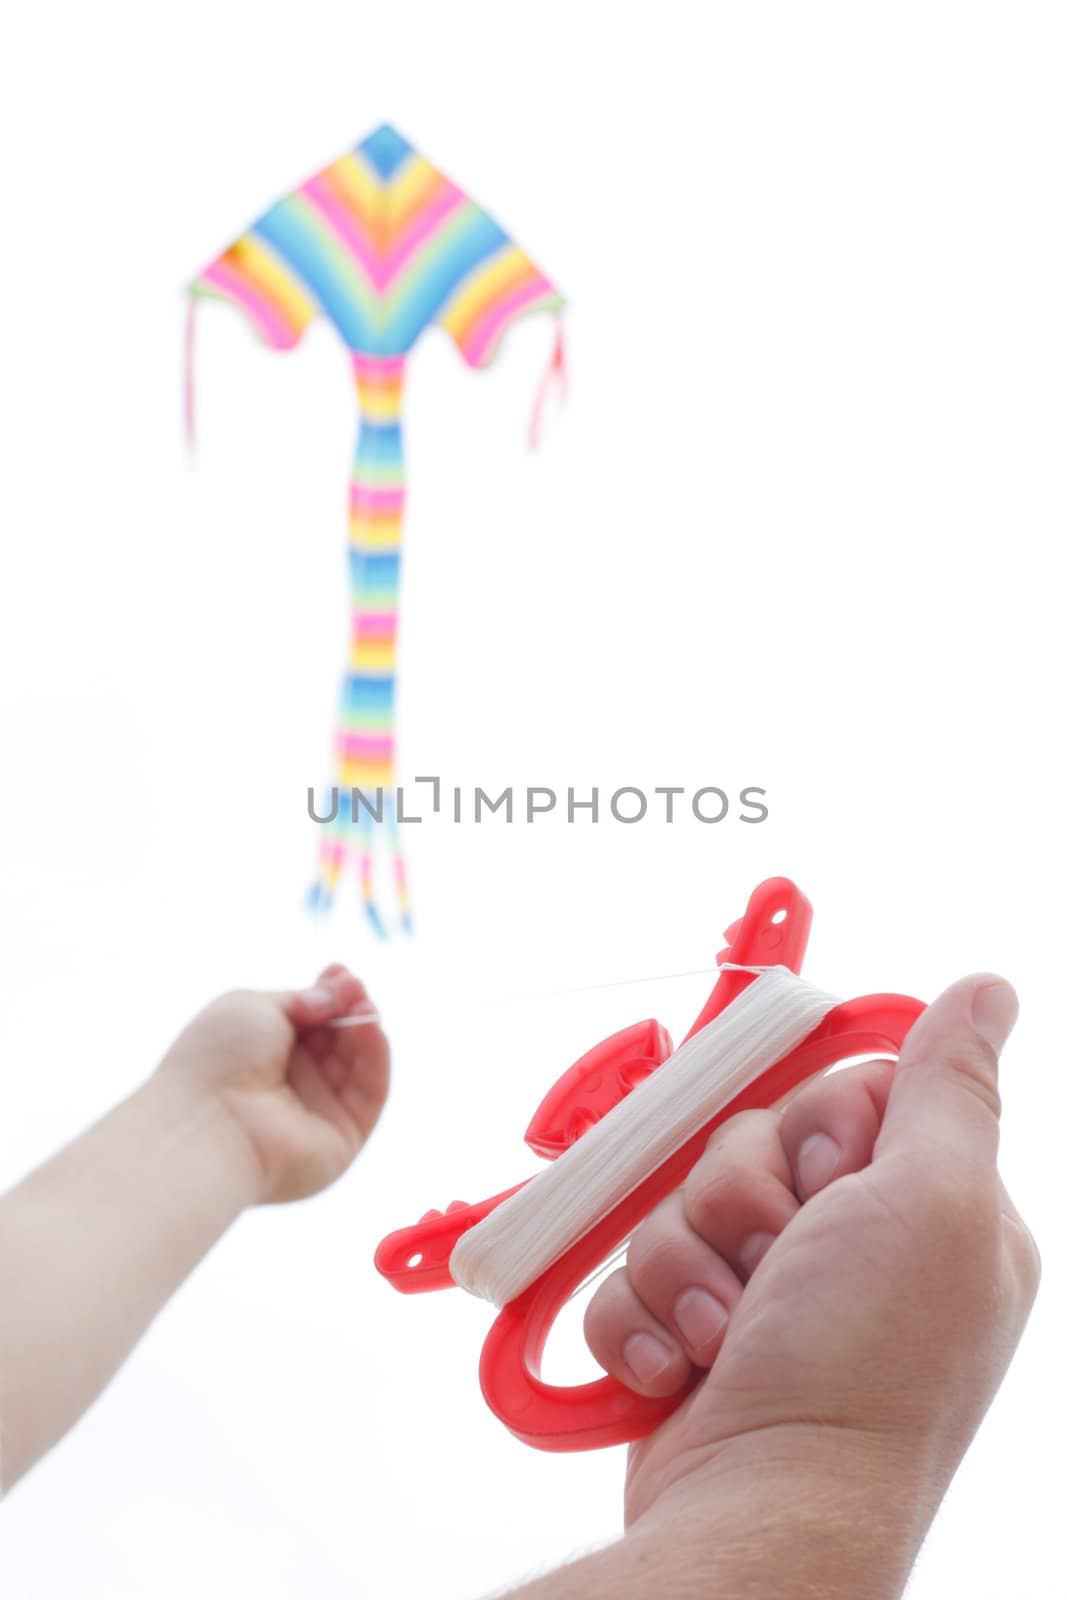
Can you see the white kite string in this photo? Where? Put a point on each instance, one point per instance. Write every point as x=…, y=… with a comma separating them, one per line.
x=615, y=983
x=599, y=1272
x=632, y=983
x=502, y=1255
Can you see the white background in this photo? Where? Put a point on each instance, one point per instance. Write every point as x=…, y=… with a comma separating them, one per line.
x=800, y=527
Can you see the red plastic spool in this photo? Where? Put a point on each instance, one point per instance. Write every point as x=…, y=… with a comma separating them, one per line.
x=773, y=932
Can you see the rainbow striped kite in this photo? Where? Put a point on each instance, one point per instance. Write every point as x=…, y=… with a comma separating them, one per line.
x=384, y=246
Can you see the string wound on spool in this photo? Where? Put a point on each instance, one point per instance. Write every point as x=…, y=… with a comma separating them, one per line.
x=554, y=1230
x=520, y=1239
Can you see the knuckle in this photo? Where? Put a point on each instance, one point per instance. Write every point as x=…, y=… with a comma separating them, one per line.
x=741, y=1189
x=662, y=1225
x=221, y=1017
x=658, y=1256
x=230, y=1006
x=737, y=1131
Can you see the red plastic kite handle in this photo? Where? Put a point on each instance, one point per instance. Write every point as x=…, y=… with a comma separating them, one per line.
x=773, y=932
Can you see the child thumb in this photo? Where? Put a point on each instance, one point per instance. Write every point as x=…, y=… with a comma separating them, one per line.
x=944, y=1103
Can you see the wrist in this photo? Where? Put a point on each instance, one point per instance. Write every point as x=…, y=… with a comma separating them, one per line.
x=809, y=1509
x=201, y=1119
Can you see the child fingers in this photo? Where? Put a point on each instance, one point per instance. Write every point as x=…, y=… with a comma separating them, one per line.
x=343, y=987
x=335, y=993
x=739, y=1196
x=630, y=1343
x=312, y=1007
x=682, y=1281
x=831, y=1126
x=364, y=1084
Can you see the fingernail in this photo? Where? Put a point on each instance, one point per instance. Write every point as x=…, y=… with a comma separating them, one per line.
x=317, y=998
x=994, y=1009
x=646, y=1356
x=699, y=1317
x=753, y=1251
x=817, y=1160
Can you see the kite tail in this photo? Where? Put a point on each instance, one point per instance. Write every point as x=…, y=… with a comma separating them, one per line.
x=367, y=861
x=365, y=734
x=189, y=375
x=400, y=881
x=359, y=840
x=331, y=864
x=555, y=377
x=366, y=885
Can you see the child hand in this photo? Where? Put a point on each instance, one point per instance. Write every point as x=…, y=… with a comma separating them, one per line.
x=304, y=1092
x=851, y=1275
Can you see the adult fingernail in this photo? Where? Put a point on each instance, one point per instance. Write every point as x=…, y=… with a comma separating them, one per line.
x=753, y=1251
x=817, y=1160
x=994, y=1009
x=699, y=1317
x=316, y=998
x=646, y=1356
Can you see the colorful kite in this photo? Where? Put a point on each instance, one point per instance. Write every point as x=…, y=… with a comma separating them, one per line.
x=384, y=246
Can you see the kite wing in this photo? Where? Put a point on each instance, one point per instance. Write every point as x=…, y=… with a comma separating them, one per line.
x=383, y=245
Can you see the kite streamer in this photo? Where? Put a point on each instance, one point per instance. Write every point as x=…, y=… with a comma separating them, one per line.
x=384, y=246
x=365, y=754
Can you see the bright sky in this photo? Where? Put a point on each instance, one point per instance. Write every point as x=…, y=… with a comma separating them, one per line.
x=798, y=528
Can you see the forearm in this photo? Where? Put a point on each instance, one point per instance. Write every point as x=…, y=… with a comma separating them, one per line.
x=771, y=1533
x=92, y=1245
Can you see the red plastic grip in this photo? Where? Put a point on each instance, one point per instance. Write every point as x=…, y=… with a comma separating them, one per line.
x=415, y=1259
x=773, y=932
x=604, y=1412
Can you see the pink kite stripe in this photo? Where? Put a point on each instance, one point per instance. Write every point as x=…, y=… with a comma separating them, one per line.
x=489, y=327
x=365, y=746
x=380, y=369
x=421, y=226
x=346, y=226
x=370, y=498
x=377, y=624
x=263, y=312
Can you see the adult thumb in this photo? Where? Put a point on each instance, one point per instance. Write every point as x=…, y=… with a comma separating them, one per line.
x=944, y=1103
